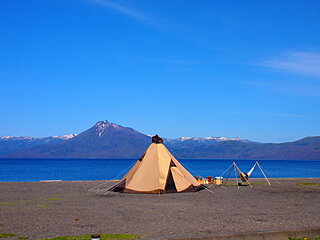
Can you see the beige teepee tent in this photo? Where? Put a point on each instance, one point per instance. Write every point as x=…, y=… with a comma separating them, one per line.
x=157, y=171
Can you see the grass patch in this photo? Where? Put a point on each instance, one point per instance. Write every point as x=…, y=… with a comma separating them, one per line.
x=102, y=237
x=7, y=235
x=3, y=204
x=7, y=203
x=309, y=184
x=53, y=199
x=23, y=238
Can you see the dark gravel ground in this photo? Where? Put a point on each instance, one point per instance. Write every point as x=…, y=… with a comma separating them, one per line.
x=43, y=210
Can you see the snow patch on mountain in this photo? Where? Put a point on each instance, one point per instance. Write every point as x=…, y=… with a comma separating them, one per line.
x=114, y=125
x=66, y=137
x=15, y=138
x=204, y=139
x=11, y=138
x=101, y=126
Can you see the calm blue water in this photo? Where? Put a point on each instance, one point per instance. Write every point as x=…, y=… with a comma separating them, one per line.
x=30, y=170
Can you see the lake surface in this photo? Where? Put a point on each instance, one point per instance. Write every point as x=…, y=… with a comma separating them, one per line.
x=31, y=170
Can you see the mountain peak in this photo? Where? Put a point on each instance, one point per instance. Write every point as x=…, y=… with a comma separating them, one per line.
x=101, y=126
x=104, y=122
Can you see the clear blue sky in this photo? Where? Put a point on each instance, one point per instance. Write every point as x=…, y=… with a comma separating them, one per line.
x=248, y=69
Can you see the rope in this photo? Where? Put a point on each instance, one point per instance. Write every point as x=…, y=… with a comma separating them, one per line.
x=226, y=170
x=191, y=170
x=205, y=187
x=225, y=183
x=95, y=187
x=124, y=170
x=235, y=172
x=263, y=174
x=107, y=181
x=269, y=174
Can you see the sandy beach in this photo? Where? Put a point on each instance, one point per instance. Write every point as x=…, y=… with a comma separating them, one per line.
x=40, y=210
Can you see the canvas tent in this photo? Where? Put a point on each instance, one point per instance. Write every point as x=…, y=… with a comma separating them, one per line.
x=157, y=171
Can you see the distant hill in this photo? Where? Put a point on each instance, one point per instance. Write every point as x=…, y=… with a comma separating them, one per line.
x=109, y=140
x=103, y=140
x=304, y=149
x=10, y=144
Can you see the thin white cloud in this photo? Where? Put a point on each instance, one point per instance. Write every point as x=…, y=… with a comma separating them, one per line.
x=130, y=12
x=299, y=62
x=298, y=88
x=178, y=29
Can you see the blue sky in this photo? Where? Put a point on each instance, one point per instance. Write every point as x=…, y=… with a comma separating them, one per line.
x=248, y=69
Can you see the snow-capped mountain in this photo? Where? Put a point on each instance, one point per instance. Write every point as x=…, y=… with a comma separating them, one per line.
x=11, y=138
x=110, y=140
x=101, y=126
x=217, y=139
x=8, y=138
x=197, y=141
x=104, y=139
x=10, y=144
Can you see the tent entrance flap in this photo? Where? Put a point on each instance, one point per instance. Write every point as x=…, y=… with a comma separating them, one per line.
x=181, y=182
x=170, y=186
